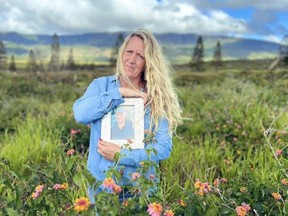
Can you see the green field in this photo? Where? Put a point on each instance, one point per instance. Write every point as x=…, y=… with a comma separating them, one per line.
x=231, y=148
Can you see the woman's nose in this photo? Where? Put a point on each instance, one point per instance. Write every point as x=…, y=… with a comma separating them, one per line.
x=132, y=58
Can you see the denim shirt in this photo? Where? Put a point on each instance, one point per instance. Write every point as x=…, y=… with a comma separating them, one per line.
x=102, y=96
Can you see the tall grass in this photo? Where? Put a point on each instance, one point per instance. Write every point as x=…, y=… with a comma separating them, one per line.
x=34, y=141
x=233, y=126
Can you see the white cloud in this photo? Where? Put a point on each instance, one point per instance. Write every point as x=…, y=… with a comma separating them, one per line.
x=272, y=38
x=48, y=16
x=181, y=16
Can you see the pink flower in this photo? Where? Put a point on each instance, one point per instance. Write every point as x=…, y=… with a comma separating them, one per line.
x=276, y=196
x=217, y=181
x=223, y=180
x=109, y=183
x=39, y=188
x=35, y=195
x=155, y=209
x=81, y=204
x=135, y=176
x=70, y=152
x=117, y=189
x=57, y=187
x=169, y=213
x=125, y=203
x=38, y=191
x=278, y=152
x=181, y=203
x=243, y=190
x=202, y=188
x=284, y=182
x=243, y=210
x=152, y=176
x=73, y=132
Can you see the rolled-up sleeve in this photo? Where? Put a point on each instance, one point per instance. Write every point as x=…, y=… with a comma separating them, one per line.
x=163, y=148
x=97, y=100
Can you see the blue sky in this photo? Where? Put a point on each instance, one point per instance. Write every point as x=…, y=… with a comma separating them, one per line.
x=257, y=19
x=241, y=13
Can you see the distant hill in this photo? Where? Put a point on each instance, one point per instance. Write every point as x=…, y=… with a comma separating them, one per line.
x=96, y=47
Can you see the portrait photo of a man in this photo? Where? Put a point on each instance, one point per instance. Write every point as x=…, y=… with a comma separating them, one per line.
x=122, y=123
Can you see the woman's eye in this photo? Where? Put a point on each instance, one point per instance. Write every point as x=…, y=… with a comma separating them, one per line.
x=141, y=57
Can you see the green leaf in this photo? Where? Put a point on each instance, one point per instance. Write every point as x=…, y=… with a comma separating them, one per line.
x=12, y=212
x=116, y=157
x=77, y=179
x=70, y=163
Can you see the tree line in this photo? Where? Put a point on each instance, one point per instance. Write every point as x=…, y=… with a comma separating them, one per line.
x=54, y=65
x=32, y=65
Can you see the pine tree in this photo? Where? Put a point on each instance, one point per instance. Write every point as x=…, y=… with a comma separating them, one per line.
x=70, y=61
x=115, y=49
x=198, y=55
x=12, y=65
x=3, y=57
x=54, y=64
x=32, y=64
x=217, y=58
x=283, y=50
x=41, y=67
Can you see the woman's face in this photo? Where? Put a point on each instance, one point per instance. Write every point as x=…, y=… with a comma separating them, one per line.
x=121, y=117
x=133, y=58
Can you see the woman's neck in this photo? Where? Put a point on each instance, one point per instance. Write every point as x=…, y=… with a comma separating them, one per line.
x=138, y=84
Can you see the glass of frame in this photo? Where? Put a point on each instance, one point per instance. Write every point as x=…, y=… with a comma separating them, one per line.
x=125, y=122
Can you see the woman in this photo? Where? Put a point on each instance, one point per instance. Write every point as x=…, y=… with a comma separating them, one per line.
x=141, y=71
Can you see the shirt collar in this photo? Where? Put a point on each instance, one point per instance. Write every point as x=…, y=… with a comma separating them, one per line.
x=112, y=78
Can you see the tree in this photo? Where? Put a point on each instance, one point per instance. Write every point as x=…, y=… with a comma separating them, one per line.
x=32, y=64
x=40, y=58
x=283, y=50
x=12, y=65
x=198, y=55
x=115, y=49
x=3, y=56
x=41, y=67
x=70, y=61
x=217, y=58
x=54, y=64
x=282, y=58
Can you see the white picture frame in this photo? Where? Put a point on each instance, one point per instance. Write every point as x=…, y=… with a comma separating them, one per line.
x=132, y=133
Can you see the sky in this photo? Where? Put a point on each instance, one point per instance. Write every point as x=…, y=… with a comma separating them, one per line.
x=257, y=19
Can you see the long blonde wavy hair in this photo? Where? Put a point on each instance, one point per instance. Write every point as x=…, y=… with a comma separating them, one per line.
x=161, y=93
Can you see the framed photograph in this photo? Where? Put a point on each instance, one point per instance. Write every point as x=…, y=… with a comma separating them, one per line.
x=125, y=124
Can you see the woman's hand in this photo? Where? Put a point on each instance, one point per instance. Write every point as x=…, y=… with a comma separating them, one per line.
x=128, y=92
x=107, y=149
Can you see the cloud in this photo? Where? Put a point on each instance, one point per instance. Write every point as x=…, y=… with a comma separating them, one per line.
x=181, y=16
x=79, y=16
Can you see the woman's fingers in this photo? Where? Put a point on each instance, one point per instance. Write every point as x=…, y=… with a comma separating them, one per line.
x=107, y=150
x=144, y=97
x=127, y=92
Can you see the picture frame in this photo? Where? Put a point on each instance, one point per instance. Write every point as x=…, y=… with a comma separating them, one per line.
x=125, y=124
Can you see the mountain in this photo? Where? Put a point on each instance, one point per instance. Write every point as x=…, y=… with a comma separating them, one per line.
x=96, y=47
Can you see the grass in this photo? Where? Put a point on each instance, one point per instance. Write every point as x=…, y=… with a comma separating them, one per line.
x=234, y=123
